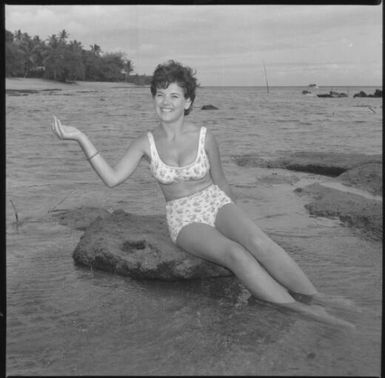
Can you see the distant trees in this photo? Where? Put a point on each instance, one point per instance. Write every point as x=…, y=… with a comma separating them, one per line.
x=57, y=58
x=14, y=59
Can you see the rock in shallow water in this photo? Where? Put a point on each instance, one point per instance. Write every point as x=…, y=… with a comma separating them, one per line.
x=352, y=209
x=80, y=218
x=366, y=176
x=139, y=246
x=209, y=107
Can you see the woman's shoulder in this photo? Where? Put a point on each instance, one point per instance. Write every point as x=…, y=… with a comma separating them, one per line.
x=141, y=142
x=209, y=135
x=142, y=137
x=156, y=132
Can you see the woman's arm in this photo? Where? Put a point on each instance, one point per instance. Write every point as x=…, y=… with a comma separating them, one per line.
x=216, y=169
x=110, y=176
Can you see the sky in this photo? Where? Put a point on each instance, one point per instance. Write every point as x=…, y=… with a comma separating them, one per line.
x=226, y=44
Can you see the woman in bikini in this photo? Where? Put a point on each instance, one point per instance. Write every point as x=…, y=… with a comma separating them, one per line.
x=202, y=214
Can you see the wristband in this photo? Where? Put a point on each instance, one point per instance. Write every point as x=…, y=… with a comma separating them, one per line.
x=89, y=158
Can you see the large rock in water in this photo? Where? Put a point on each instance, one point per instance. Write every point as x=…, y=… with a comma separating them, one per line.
x=139, y=246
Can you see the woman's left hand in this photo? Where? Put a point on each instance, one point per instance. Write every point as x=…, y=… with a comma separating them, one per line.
x=65, y=132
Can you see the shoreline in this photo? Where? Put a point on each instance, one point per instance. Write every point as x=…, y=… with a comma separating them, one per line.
x=39, y=84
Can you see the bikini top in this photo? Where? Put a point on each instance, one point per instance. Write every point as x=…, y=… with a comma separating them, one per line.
x=167, y=174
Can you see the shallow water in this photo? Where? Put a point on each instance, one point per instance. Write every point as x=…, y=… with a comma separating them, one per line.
x=66, y=320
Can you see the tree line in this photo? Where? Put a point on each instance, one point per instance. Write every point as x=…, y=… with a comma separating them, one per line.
x=58, y=58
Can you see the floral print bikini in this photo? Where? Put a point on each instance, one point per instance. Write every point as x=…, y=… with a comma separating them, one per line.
x=200, y=207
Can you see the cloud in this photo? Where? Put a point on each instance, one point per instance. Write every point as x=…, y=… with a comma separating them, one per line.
x=210, y=36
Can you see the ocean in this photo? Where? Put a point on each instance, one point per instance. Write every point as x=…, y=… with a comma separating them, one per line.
x=67, y=320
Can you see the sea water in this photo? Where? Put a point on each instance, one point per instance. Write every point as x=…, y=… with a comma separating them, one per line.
x=66, y=320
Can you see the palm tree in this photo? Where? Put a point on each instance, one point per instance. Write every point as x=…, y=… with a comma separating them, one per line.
x=96, y=50
x=24, y=44
x=74, y=68
x=52, y=58
x=14, y=59
x=63, y=37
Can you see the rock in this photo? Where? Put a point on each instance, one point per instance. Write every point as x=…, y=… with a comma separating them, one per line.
x=139, y=246
x=352, y=209
x=359, y=207
x=322, y=163
x=333, y=94
x=209, y=107
x=253, y=160
x=377, y=93
x=360, y=94
x=366, y=176
x=275, y=179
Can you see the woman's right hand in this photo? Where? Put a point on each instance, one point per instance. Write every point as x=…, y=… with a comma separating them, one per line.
x=65, y=132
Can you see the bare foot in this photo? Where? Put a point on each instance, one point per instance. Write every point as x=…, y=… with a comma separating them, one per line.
x=327, y=300
x=335, y=301
x=317, y=313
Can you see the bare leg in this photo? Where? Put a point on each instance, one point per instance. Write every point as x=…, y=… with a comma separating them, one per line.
x=206, y=242
x=233, y=222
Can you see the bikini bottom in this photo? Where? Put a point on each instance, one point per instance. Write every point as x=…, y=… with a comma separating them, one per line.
x=200, y=207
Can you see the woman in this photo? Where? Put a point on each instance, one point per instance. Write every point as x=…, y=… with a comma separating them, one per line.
x=201, y=210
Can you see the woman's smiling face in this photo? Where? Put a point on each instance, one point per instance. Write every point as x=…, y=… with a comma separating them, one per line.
x=170, y=103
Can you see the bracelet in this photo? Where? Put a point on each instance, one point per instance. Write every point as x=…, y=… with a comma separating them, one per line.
x=89, y=158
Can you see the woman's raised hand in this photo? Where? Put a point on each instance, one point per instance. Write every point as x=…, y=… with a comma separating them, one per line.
x=65, y=132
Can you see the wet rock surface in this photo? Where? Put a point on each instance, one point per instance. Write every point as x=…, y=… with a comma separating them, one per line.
x=354, y=175
x=322, y=163
x=80, y=218
x=365, y=176
x=132, y=245
x=353, y=210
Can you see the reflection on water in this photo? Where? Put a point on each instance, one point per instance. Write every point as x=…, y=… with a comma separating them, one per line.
x=66, y=320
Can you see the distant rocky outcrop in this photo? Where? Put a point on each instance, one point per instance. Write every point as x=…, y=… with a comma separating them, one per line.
x=333, y=94
x=377, y=93
x=132, y=245
x=209, y=107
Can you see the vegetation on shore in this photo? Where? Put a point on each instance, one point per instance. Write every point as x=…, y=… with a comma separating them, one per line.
x=60, y=59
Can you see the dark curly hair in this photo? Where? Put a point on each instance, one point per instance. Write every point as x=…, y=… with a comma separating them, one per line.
x=174, y=72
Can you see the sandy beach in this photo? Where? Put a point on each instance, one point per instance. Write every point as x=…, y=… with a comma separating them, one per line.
x=30, y=84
